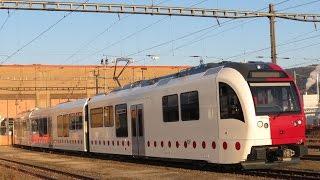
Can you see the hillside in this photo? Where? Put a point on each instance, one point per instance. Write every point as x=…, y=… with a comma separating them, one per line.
x=302, y=73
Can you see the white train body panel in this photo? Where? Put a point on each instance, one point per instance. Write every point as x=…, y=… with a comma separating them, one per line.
x=132, y=121
x=23, y=125
x=41, y=139
x=232, y=131
x=75, y=138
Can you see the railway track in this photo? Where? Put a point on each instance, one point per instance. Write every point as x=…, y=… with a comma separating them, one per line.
x=284, y=174
x=311, y=157
x=40, y=171
x=272, y=173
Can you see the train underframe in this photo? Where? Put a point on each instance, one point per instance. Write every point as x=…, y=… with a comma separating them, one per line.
x=270, y=156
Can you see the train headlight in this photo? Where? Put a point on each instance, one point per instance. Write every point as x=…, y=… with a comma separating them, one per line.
x=299, y=122
x=295, y=124
x=260, y=124
x=266, y=125
x=258, y=67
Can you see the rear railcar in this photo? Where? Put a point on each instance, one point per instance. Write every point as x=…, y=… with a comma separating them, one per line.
x=69, y=126
x=21, y=130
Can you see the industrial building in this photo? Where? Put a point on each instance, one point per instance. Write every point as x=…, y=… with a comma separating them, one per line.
x=24, y=87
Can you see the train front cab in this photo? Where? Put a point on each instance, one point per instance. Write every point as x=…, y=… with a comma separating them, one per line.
x=261, y=118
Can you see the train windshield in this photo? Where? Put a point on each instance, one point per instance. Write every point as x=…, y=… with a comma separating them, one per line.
x=275, y=98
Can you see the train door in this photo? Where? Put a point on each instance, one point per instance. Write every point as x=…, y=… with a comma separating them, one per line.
x=50, y=140
x=137, y=129
x=86, y=129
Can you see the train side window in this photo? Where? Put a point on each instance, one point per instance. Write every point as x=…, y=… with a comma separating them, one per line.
x=108, y=116
x=170, y=108
x=60, y=126
x=43, y=126
x=96, y=117
x=189, y=102
x=230, y=107
x=79, y=123
x=34, y=125
x=40, y=126
x=66, y=120
x=72, y=121
x=121, y=120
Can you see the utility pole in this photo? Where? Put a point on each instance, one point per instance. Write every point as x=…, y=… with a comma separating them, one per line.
x=272, y=34
x=142, y=72
x=96, y=74
x=105, y=62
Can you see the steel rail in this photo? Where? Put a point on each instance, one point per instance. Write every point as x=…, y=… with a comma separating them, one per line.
x=286, y=174
x=202, y=166
x=36, y=167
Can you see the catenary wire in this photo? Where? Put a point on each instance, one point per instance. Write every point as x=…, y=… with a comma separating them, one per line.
x=281, y=44
x=195, y=32
x=131, y=35
x=5, y=21
x=88, y=43
x=299, y=5
x=37, y=37
x=202, y=37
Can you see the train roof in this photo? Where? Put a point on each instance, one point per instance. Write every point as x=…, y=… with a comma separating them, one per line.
x=243, y=68
x=71, y=104
x=41, y=112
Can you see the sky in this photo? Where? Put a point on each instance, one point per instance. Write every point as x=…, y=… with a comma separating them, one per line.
x=86, y=38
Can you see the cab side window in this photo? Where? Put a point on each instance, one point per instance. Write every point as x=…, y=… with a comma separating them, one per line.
x=230, y=107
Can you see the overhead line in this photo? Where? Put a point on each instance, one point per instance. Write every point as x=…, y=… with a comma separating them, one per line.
x=195, y=32
x=281, y=2
x=299, y=5
x=281, y=44
x=131, y=35
x=38, y=36
x=300, y=48
x=94, y=38
x=5, y=21
x=202, y=37
x=102, y=32
x=303, y=63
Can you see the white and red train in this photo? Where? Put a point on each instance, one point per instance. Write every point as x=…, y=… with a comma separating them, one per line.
x=222, y=113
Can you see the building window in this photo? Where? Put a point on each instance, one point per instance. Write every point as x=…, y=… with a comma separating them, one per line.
x=121, y=120
x=96, y=117
x=189, y=103
x=230, y=107
x=170, y=108
x=108, y=116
